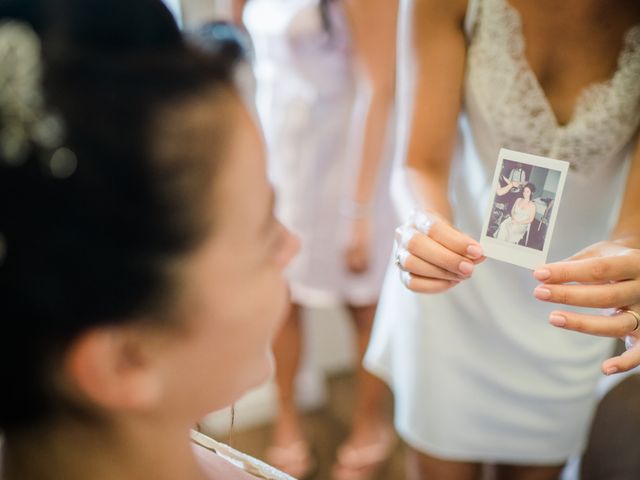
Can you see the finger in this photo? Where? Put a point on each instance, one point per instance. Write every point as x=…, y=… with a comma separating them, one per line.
x=617, y=325
x=434, y=253
x=418, y=267
x=600, y=249
x=591, y=270
x=610, y=295
x=434, y=226
x=425, y=285
x=456, y=241
x=623, y=363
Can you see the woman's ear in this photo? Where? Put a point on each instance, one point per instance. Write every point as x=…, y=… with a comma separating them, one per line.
x=115, y=368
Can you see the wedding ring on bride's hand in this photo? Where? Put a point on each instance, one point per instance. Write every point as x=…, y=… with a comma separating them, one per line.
x=629, y=340
x=635, y=315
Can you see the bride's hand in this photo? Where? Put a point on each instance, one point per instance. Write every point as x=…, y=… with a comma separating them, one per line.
x=432, y=255
x=603, y=276
x=358, y=247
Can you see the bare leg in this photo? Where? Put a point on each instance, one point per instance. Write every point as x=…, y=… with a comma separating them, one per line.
x=287, y=431
x=371, y=437
x=524, y=472
x=373, y=402
x=421, y=466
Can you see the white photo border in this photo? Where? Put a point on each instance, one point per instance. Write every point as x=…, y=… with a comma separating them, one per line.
x=517, y=254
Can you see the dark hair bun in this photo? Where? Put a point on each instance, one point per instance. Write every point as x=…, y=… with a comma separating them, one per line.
x=92, y=248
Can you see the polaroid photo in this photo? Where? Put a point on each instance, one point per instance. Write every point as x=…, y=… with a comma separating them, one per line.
x=526, y=193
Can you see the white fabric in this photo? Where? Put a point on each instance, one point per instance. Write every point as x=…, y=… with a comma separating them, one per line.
x=238, y=463
x=478, y=373
x=306, y=98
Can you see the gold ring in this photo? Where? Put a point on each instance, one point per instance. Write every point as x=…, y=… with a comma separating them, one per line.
x=635, y=314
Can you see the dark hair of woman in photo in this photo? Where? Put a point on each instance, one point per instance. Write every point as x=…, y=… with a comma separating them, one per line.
x=140, y=262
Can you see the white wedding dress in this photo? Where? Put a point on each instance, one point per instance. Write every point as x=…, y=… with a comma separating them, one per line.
x=477, y=372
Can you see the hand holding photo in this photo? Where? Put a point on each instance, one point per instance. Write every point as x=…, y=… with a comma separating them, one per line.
x=519, y=222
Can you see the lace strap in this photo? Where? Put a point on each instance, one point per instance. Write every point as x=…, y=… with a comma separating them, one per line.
x=471, y=17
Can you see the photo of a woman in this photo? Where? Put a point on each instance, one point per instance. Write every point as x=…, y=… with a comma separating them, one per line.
x=515, y=226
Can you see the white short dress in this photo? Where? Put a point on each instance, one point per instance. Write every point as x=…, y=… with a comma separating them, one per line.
x=478, y=373
x=306, y=93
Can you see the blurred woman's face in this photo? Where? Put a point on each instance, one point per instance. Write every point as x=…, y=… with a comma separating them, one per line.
x=234, y=292
x=527, y=193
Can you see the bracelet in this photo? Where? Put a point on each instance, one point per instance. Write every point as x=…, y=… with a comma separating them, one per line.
x=354, y=210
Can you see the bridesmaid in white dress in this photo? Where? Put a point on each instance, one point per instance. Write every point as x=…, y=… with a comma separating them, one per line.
x=329, y=147
x=478, y=373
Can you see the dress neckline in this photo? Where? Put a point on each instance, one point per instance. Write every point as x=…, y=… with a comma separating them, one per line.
x=631, y=35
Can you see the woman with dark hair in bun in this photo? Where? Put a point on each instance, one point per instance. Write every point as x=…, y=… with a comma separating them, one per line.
x=140, y=284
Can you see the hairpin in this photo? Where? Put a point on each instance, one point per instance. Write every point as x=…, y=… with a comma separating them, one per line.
x=24, y=118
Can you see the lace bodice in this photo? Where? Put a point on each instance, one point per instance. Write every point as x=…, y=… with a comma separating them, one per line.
x=606, y=115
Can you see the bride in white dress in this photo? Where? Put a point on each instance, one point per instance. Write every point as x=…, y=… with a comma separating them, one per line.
x=478, y=373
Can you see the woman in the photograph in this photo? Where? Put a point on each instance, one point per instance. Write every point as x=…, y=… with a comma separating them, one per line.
x=479, y=376
x=140, y=285
x=318, y=63
x=513, y=228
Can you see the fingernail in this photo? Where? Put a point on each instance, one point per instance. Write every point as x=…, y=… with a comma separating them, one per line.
x=542, y=274
x=611, y=371
x=542, y=293
x=557, y=320
x=466, y=267
x=474, y=251
x=406, y=278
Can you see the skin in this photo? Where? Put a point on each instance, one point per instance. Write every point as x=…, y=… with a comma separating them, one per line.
x=432, y=77
x=607, y=274
x=374, y=56
x=148, y=381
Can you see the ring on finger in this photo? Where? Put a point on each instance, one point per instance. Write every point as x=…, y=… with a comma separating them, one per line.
x=397, y=260
x=401, y=256
x=635, y=315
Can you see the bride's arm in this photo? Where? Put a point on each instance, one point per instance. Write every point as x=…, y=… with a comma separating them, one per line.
x=431, y=62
